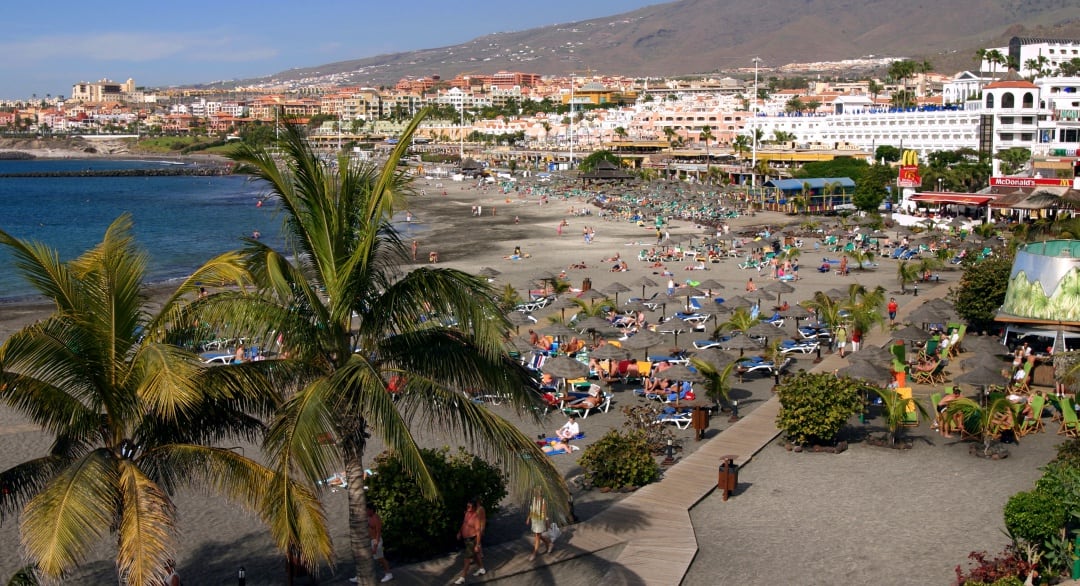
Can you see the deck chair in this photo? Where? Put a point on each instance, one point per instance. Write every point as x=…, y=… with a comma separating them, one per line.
x=911, y=413
x=938, y=376
x=926, y=377
x=1070, y=424
x=935, y=398
x=1033, y=423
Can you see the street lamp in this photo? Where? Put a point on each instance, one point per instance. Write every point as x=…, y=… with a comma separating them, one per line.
x=461, y=132
x=571, y=121
x=753, y=130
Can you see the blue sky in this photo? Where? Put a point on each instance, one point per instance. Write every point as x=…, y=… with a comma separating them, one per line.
x=48, y=47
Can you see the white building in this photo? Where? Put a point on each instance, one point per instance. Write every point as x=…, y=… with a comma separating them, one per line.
x=1022, y=50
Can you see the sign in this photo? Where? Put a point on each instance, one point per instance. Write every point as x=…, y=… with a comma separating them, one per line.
x=909, y=170
x=1029, y=182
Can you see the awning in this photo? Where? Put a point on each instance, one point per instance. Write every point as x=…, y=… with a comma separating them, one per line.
x=952, y=198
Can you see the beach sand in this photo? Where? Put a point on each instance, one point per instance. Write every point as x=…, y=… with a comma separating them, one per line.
x=217, y=539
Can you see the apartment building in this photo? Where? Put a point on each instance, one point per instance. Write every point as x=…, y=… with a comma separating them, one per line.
x=101, y=91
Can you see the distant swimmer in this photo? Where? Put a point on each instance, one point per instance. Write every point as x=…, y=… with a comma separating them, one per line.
x=256, y=235
x=259, y=204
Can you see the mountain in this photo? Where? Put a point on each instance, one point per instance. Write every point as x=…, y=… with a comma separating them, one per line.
x=699, y=36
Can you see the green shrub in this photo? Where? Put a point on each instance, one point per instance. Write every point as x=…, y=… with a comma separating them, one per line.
x=415, y=528
x=619, y=460
x=815, y=407
x=1034, y=516
x=1068, y=453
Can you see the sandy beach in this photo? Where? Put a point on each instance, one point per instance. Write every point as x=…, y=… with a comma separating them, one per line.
x=787, y=498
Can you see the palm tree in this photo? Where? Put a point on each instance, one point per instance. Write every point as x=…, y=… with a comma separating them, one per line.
x=707, y=135
x=669, y=134
x=741, y=144
x=134, y=418
x=353, y=320
x=896, y=409
x=906, y=272
x=864, y=307
x=995, y=58
x=717, y=379
x=620, y=132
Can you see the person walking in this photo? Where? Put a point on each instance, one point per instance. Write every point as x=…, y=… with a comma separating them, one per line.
x=892, y=307
x=375, y=533
x=538, y=523
x=841, y=340
x=472, y=533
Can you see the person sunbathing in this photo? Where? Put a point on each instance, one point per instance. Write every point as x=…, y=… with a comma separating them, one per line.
x=579, y=265
x=556, y=446
x=590, y=401
x=957, y=421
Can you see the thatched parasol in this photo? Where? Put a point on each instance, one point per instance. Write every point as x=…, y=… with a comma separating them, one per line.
x=610, y=352
x=715, y=357
x=564, y=367
x=488, y=272
x=742, y=343
x=643, y=340
x=867, y=371
x=614, y=289
x=779, y=287
x=681, y=372
x=981, y=377
x=557, y=330
x=643, y=282
x=911, y=333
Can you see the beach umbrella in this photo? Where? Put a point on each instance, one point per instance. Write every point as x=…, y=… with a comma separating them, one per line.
x=875, y=354
x=737, y=302
x=762, y=330
x=912, y=334
x=796, y=312
x=835, y=294
x=635, y=306
x=643, y=282
x=609, y=352
x=687, y=291
x=867, y=371
x=564, y=367
x=927, y=314
x=710, y=285
x=489, y=273
x=557, y=330
x=592, y=295
x=520, y=345
x=562, y=304
x=643, y=340
x=681, y=372
x=616, y=288
x=518, y=319
x=742, y=343
x=987, y=345
x=982, y=360
x=715, y=357
x=981, y=377
x=779, y=287
x=594, y=323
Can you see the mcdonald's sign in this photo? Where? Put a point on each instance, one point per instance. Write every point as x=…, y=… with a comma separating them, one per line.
x=909, y=170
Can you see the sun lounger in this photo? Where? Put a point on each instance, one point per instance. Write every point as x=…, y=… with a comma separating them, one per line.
x=680, y=419
x=802, y=346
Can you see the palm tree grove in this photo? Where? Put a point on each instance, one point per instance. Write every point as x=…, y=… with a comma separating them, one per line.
x=135, y=416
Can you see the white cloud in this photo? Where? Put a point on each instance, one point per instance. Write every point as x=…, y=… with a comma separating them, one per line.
x=138, y=48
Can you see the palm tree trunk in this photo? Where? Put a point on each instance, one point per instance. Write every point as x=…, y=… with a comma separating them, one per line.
x=359, y=538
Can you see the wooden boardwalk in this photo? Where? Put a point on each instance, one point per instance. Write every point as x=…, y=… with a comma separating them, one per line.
x=652, y=526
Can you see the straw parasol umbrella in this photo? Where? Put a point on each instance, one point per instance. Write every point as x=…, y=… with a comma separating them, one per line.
x=796, y=312
x=978, y=361
x=710, y=285
x=488, y=273
x=911, y=334
x=643, y=282
x=562, y=304
x=595, y=324
x=869, y=353
x=981, y=377
x=836, y=293
x=737, y=302
x=715, y=357
x=687, y=291
x=681, y=372
x=742, y=343
x=927, y=314
x=762, y=330
x=867, y=371
x=518, y=319
x=614, y=289
x=592, y=295
x=520, y=345
x=564, y=367
x=779, y=287
x=610, y=352
x=557, y=330
x=643, y=340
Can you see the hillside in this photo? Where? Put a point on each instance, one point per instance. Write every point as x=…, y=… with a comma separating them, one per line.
x=698, y=36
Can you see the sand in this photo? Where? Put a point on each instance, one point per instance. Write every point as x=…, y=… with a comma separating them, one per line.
x=786, y=499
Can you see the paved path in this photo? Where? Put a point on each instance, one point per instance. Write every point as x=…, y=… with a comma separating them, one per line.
x=648, y=537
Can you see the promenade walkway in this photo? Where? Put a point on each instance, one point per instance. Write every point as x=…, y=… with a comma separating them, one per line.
x=648, y=537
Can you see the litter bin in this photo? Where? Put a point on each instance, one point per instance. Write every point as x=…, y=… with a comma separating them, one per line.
x=586, y=284
x=699, y=420
x=729, y=476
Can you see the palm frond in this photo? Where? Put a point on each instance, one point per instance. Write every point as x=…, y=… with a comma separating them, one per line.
x=64, y=522
x=146, y=531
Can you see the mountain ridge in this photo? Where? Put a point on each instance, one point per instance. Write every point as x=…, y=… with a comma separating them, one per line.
x=702, y=36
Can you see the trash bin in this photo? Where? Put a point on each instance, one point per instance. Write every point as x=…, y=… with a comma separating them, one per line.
x=729, y=476
x=586, y=284
x=699, y=420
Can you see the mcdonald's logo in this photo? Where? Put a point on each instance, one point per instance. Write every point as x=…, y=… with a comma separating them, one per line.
x=909, y=158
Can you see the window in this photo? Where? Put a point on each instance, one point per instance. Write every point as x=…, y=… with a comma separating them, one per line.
x=1070, y=135
x=1029, y=100
x=989, y=101
x=1008, y=100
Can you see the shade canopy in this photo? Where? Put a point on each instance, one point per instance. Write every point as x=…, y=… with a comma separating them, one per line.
x=564, y=367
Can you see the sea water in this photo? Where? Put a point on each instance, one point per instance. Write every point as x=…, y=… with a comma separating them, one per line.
x=181, y=221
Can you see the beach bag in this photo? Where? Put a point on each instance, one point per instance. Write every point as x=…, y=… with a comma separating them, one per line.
x=553, y=532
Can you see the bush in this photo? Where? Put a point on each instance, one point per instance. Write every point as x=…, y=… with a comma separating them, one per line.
x=415, y=528
x=1006, y=569
x=1034, y=516
x=620, y=460
x=815, y=407
x=642, y=418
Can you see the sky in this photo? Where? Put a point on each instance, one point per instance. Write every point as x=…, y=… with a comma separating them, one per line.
x=47, y=48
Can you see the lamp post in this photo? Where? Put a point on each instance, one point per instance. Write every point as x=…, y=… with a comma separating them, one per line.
x=461, y=132
x=571, y=121
x=753, y=129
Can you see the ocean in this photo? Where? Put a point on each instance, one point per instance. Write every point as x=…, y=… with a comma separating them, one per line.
x=180, y=221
